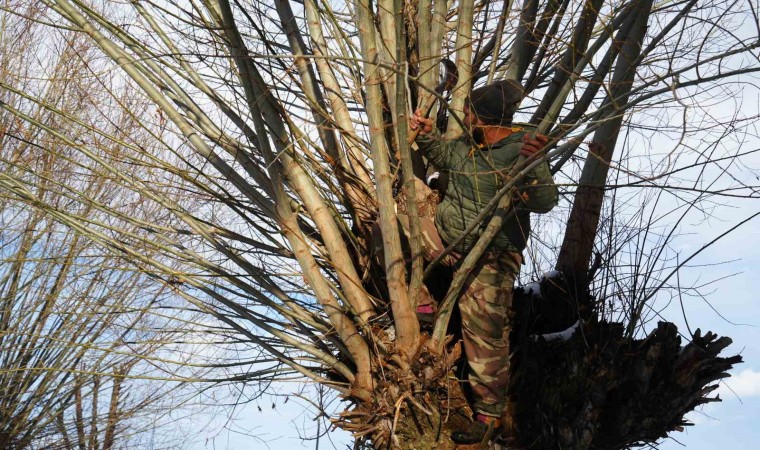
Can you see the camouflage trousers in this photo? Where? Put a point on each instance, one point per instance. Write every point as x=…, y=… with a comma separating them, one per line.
x=485, y=306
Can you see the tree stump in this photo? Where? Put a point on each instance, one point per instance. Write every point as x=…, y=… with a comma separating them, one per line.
x=593, y=388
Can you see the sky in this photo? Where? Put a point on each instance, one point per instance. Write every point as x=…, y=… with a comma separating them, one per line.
x=732, y=423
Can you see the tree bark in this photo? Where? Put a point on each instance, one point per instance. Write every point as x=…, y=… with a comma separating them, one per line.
x=407, y=326
x=113, y=410
x=599, y=389
x=580, y=234
x=464, y=66
x=574, y=53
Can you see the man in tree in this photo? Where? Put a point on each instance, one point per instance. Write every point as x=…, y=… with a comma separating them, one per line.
x=478, y=164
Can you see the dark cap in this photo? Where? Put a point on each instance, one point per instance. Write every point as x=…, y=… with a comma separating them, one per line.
x=496, y=103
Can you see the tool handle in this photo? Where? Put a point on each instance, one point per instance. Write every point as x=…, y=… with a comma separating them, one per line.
x=413, y=135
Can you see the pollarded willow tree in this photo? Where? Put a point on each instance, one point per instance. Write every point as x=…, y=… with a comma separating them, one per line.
x=287, y=121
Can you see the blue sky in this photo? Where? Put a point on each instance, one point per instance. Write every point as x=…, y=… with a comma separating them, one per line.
x=732, y=423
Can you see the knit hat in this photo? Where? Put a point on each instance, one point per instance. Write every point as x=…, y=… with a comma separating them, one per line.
x=496, y=103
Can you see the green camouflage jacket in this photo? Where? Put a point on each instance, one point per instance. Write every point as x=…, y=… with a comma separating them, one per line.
x=475, y=176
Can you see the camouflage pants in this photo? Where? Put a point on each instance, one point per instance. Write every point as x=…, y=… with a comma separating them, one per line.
x=485, y=305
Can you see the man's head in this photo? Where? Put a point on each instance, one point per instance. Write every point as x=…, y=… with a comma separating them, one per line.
x=493, y=104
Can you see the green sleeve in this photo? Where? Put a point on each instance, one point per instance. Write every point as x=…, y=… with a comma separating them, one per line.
x=434, y=147
x=540, y=194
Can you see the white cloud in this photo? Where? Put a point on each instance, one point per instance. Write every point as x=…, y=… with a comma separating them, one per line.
x=744, y=384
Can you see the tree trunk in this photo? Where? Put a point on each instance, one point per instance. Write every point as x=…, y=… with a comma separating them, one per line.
x=415, y=406
x=588, y=387
x=580, y=234
x=113, y=410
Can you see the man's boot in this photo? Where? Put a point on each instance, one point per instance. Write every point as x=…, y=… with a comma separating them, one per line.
x=483, y=427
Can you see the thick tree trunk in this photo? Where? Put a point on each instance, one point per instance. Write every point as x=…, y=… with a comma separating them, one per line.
x=593, y=388
x=113, y=410
x=415, y=405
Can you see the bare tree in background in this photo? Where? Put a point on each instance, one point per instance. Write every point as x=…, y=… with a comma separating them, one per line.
x=285, y=122
x=79, y=337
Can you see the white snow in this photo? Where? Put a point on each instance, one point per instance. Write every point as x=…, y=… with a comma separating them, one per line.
x=552, y=274
x=533, y=289
x=560, y=335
